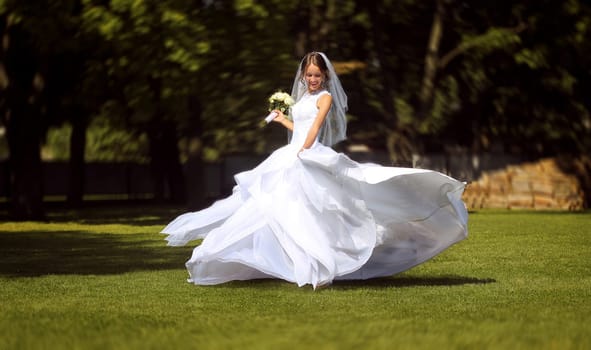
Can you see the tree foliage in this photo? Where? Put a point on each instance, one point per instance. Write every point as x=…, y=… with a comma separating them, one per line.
x=482, y=76
x=479, y=75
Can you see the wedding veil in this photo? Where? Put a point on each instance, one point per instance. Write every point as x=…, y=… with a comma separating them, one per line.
x=334, y=129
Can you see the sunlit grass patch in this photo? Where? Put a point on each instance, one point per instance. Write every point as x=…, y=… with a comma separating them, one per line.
x=104, y=278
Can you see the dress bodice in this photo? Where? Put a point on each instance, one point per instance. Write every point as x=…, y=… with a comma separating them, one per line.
x=304, y=113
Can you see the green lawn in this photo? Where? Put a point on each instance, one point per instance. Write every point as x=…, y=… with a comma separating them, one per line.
x=104, y=279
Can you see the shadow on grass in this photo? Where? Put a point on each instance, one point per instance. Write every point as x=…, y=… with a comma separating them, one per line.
x=141, y=215
x=30, y=254
x=410, y=281
x=374, y=283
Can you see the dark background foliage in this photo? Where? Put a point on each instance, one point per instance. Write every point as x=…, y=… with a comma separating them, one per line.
x=187, y=81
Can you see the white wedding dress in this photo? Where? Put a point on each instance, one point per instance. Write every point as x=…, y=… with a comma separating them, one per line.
x=321, y=216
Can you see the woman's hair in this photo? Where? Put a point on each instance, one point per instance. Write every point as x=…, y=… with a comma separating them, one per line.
x=316, y=59
x=335, y=127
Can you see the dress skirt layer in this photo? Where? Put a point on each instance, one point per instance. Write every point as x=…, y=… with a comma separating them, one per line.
x=319, y=217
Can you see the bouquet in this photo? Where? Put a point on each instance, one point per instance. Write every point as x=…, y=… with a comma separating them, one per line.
x=281, y=101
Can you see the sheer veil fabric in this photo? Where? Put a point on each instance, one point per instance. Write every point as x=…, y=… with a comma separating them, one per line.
x=335, y=127
x=317, y=216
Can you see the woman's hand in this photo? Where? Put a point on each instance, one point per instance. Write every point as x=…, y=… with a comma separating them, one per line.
x=300, y=152
x=280, y=117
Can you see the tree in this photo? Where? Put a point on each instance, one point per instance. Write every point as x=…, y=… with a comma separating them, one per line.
x=522, y=77
x=157, y=51
x=37, y=37
x=456, y=72
x=21, y=116
x=180, y=69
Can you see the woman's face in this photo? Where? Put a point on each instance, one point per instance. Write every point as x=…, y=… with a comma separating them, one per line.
x=314, y=78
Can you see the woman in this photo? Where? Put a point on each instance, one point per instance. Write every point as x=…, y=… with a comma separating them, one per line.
x=310, y=215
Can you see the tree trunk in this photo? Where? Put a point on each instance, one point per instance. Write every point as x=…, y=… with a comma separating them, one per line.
x=431, y=62
x=194, y=170
x=321, y=21
x=22, y=118
x=301, y=42
x=24, y=139
x=167, y=173
x=77, y=164
x=399, y=140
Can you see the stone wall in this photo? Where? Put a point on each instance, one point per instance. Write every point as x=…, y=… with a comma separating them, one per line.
x=547, y=184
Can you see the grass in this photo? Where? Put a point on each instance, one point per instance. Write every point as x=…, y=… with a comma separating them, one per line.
x=104, y=279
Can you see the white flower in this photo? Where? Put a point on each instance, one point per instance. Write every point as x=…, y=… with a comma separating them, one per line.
x=278, y=96
x=282, y=101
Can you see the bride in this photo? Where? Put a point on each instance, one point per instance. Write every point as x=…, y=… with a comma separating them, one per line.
x=310, y=215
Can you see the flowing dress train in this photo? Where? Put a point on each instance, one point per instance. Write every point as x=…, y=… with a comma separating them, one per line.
x=320, y=216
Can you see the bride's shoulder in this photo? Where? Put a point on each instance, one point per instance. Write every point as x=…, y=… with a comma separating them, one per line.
x=322, y=94
x=324, y=98
x=318, y=93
